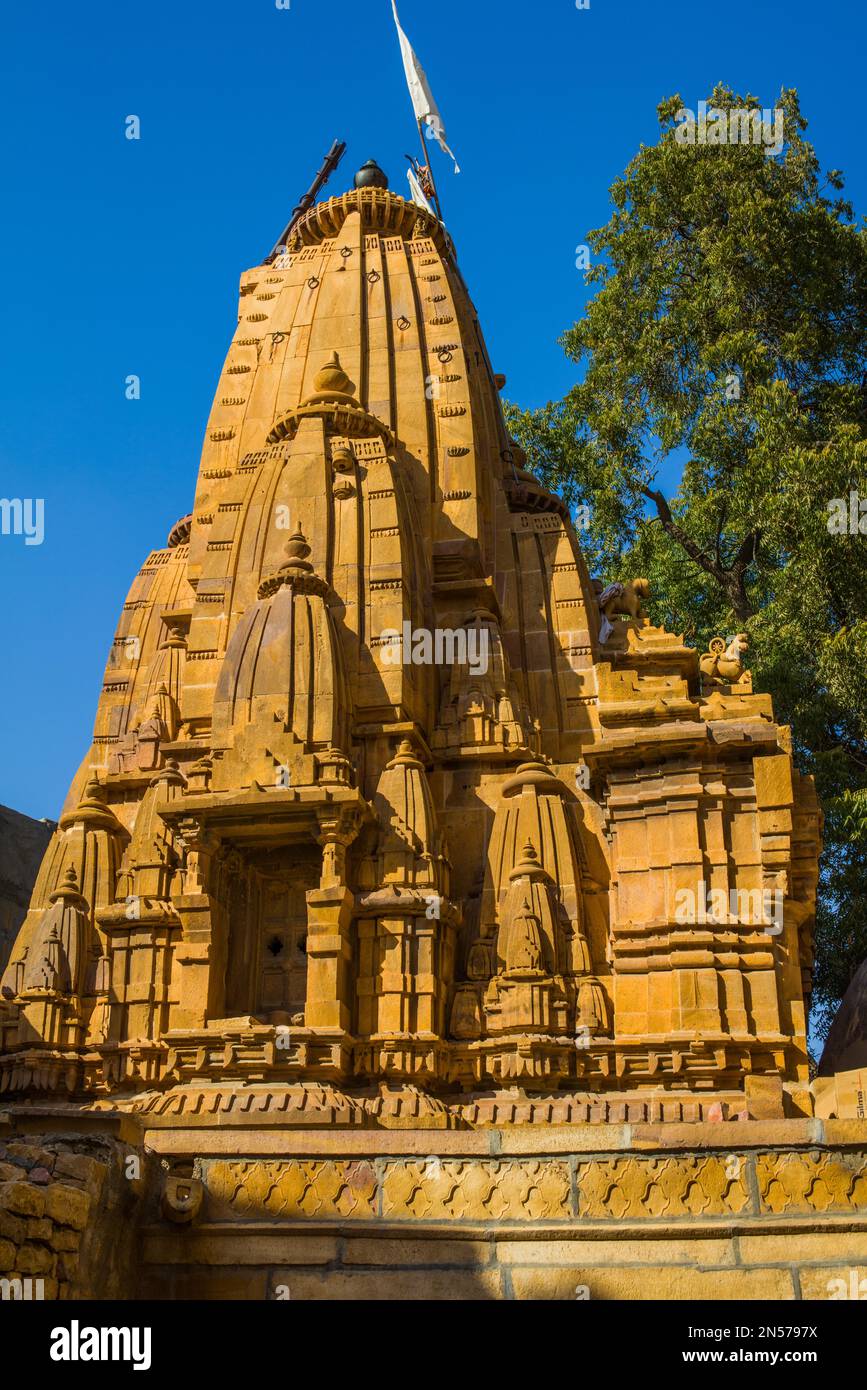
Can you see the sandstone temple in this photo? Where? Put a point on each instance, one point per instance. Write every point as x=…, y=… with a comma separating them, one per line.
x=422, y=921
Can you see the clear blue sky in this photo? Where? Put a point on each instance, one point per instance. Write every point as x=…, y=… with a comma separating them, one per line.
x=123, y=257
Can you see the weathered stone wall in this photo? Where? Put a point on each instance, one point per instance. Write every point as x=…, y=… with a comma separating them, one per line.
x=66, y=1216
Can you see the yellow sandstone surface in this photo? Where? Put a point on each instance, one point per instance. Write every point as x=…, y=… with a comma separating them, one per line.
x=366, y=909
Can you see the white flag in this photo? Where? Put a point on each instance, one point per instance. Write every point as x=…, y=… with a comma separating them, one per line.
x=423, y=103
x=417, y=192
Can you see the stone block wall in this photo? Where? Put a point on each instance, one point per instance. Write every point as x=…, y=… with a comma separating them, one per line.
x=65, y=1209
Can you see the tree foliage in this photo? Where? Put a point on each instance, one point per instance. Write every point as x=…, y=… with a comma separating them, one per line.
x=728, y=338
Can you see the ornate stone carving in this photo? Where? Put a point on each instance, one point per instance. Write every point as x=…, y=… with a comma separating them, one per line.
x=627, y=1188
x=622, y=600
x=723, y=664
x=471, y=870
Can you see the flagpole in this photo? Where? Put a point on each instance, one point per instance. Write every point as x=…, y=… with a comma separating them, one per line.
x=424, y=107
x=427, y=165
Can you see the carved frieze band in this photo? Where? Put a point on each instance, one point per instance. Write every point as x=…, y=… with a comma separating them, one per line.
x=539, y=1189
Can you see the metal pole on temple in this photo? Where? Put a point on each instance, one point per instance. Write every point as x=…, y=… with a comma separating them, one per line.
x=329, y=164
x=428, y=168
x=424, y=106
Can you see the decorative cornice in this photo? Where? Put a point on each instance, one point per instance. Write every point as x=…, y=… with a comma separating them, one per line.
x=380, y=211
x=180, y=532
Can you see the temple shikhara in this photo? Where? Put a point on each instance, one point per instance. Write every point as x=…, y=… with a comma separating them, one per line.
x=415, y=894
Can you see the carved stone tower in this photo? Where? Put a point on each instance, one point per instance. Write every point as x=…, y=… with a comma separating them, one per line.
x=375, y=829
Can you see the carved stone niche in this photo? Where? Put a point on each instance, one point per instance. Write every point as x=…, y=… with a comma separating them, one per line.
x=527, y=992
x=480, y=708
x=535, y=807
x=465, y=1021
x=533, y=939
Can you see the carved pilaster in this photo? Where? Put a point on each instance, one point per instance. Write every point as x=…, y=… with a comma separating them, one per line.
x=329, y=917
x=199, y=967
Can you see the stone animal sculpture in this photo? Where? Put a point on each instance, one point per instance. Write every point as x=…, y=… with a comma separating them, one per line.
x=724, y=665
x=624, y=600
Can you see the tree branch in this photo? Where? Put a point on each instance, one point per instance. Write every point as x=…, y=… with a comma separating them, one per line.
x=730, y=580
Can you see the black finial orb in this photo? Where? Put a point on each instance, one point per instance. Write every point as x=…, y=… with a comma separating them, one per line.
x=371, y=176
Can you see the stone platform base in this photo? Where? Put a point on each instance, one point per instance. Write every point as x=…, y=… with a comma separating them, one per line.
x=734, y=1210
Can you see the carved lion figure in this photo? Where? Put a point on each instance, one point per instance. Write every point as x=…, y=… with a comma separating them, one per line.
x=724, y=665
x=626, y=600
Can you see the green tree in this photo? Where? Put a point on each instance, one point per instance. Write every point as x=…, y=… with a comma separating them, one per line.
x=728, y=339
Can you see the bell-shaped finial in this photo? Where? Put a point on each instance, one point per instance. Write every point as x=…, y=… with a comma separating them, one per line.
x=68, y=886
x=332, y=378
x=294, y=569
x=529, y=865
x=371, y=176
x=406, y=755
x=297, y=551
